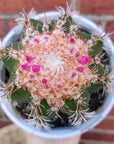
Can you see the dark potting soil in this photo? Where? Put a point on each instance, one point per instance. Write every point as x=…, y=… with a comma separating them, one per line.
x=96, y=100
x=21, y=107
x=61, y=121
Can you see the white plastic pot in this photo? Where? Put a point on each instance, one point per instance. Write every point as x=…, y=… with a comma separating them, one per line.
x=65, y=132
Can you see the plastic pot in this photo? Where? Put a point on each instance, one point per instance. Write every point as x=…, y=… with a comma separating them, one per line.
x=64, y=132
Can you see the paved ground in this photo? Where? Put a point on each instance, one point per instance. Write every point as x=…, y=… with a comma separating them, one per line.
x=11, y=135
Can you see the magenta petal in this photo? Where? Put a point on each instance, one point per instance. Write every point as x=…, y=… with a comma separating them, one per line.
x=46, y=38
x=73, y=74
x=80, y=69
x=72, y=40
x=59, y=86
x=25, y=67
x=35, y=68
x=44, y=81
x=31, y=76
x=36, y=40
x=71, y=50
x=29, y=58
x=83, y=60
x=77, y=54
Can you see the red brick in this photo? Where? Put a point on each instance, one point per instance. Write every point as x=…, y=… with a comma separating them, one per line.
x=11, y=7
x=95, y=142
x=110, y=28
x=107, y=124
x=2, y=124
x=2, y=29
x=100, y=136
x=4, y=121
x=98, y=7
x=97, y=22
x=112, y=112
x=81, y=142
x=11, y=24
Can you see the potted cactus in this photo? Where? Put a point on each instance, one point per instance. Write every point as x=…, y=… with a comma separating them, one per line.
x=58, y=73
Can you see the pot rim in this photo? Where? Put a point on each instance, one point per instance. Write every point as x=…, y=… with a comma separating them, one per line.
x=65, y=132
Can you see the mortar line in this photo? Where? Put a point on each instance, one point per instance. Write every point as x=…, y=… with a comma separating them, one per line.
x=103, y=24
x=73, y=4
x=105, y=142
x=110, y=117
x=106, y=131
x=8, y=16
x=6, y=25
x=99, y=17
x=89, y=16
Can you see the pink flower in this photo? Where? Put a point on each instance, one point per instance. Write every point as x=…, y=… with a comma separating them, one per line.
x=44, y=81
x=46, y=38
x=35, y=68
x=31, y=76
x=83, y=60
x=72, y=40
x=59, y=86
x=80, y=69
x=77, y=54
x=26, y=67
x=29, y=58
x=36, y=40
x=71, y=50
x=73, y=74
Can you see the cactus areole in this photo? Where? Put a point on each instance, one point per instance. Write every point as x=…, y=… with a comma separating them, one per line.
x=55, y=68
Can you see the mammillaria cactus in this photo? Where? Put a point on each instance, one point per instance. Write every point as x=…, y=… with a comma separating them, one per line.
x=55, y=68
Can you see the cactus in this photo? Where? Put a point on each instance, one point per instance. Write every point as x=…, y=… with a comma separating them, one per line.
x=54, y=68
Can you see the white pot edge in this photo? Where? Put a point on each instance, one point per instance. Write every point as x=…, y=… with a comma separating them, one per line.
x=60, y=132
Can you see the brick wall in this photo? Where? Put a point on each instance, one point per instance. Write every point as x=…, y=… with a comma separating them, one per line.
x=100, y=11
x=9, y=10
